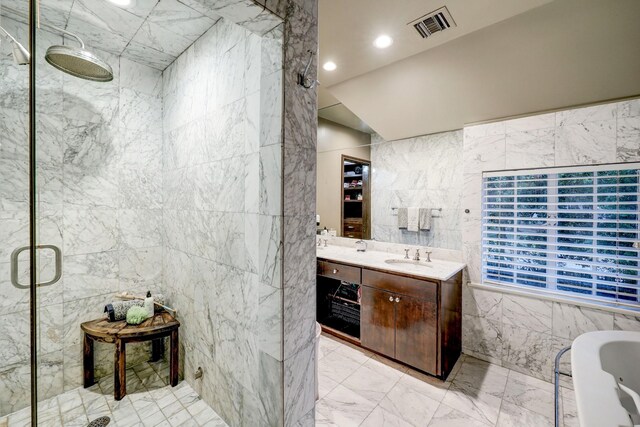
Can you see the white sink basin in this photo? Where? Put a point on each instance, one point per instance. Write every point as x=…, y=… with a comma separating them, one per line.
x=407, y=262
x=606, y=378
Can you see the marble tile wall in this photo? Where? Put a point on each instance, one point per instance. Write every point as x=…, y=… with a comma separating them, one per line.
x=221, y=218
x=424, y=172
x=98, y=176
x=299, y=199
x=518, y=332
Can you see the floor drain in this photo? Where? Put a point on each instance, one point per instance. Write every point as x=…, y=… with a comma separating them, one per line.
x=100, y=422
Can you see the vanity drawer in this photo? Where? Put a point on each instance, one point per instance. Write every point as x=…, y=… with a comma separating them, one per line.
x=339, y=271
x=421, y=289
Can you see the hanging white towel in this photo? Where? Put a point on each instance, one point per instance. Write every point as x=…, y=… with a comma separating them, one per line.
x=413, y=216
x=402, y=218
x=425, y=219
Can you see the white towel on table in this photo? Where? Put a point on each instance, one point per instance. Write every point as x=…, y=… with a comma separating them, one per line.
x=425, y=219
x=413, y=219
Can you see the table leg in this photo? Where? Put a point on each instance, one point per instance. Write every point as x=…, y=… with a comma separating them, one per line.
x=157, y=349
x=120, y=371
x=173, y=368
x=87, y=361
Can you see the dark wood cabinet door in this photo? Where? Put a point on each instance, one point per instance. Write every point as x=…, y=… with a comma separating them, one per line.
x=377, y=321
x=416, y=333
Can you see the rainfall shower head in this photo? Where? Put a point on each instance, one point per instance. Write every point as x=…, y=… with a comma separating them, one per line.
x=20, y=54
x=78, y=61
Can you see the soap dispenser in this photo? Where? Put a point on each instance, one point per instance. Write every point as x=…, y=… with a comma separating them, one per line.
x=148, y=304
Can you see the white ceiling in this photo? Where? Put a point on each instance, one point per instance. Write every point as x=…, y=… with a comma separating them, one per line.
x=348, y=28
x=558, y=55
x=340, y=114
x=152, y=32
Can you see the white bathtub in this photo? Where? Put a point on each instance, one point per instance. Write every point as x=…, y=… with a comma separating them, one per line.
x=606, y=376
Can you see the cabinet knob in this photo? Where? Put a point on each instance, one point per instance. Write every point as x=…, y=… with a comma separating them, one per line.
x=391, y=299
x=335, y=271
x=397, y=299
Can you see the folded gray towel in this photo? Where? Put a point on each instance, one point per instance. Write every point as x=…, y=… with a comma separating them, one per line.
x=425, y=219
x=403, y=217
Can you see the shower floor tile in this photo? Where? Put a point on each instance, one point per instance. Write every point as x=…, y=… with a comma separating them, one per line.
x=150, y=401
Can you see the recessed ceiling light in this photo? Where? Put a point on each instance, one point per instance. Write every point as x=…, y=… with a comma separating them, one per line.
x=383, y=41
x=121, y=3
x=329, y=66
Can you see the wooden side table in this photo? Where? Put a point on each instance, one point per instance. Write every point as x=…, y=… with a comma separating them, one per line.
x=120, y=333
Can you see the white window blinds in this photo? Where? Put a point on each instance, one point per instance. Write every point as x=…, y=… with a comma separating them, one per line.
x=564, y=230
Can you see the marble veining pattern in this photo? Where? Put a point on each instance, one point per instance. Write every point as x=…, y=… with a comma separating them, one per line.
x=149, y=402
x=520, y=333
x=358, y=388
x=126, y=166
x=424, y=172
x=220, y=245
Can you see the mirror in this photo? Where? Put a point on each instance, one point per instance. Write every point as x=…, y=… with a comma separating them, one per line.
x=422, y=172
x=409, y=100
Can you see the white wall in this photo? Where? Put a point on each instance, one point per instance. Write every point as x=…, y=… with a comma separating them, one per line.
x=518, y=332
x=334, y=140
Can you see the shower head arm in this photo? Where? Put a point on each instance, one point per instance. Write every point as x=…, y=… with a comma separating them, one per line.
x=65, y=32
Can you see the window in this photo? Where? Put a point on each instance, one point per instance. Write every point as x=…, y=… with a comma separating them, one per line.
x=570, y=231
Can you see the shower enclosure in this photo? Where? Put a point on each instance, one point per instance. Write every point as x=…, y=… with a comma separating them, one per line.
x=140, y=149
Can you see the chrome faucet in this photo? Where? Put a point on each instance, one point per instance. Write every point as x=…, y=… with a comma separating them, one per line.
x=428, y=256
x=416, y=257
x=319, y=242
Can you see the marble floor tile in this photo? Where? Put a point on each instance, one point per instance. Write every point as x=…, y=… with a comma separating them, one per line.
x=478, y=405
x=337, y=366
x=327, y=345
x=325, y=385
x=77, y=407
x=425, y=384
x=446, y=416
x=414, y=408
x=380, y=417
x=517, y=416
x=530, y=393
x=344, y=407
x=475, y=374
x=372, y=380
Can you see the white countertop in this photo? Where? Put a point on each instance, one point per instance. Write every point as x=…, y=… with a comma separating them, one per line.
x=436, y=269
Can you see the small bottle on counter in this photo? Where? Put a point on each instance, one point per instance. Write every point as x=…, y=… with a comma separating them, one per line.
x=149, y=305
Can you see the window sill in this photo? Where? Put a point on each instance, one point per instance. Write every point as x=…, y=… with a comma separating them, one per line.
x=603, y=306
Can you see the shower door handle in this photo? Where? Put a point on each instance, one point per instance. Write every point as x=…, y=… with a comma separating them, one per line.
x=14, y=266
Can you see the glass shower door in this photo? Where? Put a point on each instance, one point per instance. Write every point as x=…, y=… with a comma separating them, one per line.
x=15, y=314
x=31, y=317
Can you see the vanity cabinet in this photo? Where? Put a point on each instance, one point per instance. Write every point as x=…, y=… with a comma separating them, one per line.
x=399, y=318
x=413, y=320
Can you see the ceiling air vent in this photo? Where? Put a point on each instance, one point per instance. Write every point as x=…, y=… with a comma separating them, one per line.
x=433, y=22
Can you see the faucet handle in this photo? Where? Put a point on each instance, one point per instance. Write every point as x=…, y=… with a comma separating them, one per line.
x=428, y=253
x=406, y=254
x=325, y=242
